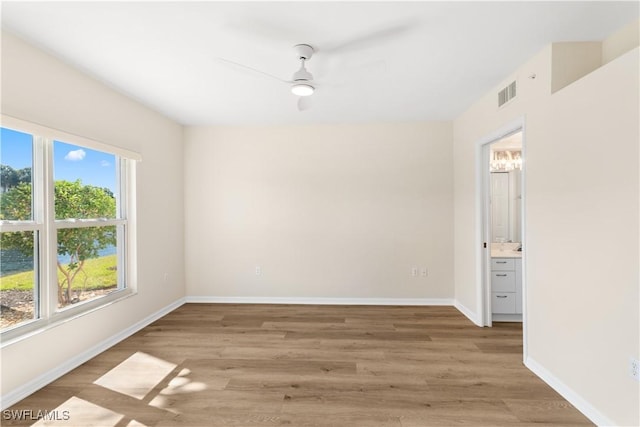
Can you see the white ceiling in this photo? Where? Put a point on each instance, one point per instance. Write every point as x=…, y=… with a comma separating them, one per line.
x=375, y=61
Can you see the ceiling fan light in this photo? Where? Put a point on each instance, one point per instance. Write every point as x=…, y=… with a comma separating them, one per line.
x=302, y=89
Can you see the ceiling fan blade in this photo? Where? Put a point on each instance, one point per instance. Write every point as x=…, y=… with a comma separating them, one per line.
x=247, y=68
x=304, y=103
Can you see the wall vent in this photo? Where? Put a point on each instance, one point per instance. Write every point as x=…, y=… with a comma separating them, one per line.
x=507, y=94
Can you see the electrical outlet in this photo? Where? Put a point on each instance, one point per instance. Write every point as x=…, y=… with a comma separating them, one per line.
x=424, y=272
x=258, y=270
x=635, y=368
x=414, y=272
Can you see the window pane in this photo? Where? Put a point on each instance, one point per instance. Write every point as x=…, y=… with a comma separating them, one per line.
x=85, y=182
x=87, y=264
x=18, y=284
x=16, y=150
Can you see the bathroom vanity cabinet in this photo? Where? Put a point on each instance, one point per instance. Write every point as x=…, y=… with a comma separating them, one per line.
x=506, y=285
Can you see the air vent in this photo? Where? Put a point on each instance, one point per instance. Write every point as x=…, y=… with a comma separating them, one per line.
x=507, y=94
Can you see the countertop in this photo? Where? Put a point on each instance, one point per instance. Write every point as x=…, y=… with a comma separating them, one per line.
x=505, y=250
x=505, y=254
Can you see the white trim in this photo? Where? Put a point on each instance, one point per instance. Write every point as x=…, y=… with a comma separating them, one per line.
x=483, y=261
x=482, y=254
x=468, y=313
x=28, y=329
x=86, y=223
x=523, y=242
x=37, y=383
x=49, y=275
x=481, y=172
x=569, y=394
x=13, y=226
x=319, y=300
x=55, y=134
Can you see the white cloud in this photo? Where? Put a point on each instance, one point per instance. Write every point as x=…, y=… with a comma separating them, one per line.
x=104, y=163
x=75, y=155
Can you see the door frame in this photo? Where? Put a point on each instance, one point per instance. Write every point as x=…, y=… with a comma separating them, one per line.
x=483, y=224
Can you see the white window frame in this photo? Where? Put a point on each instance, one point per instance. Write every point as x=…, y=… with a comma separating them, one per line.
x=44, y=224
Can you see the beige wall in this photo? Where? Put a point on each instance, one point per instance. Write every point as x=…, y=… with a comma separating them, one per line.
x=581, y=253
x=620, y=42
x=586, y=307
x=573, y=60
x=325, y=211
x=41, y=89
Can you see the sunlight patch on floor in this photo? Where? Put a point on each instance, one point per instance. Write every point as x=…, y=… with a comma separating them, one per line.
x=134, y=423
x=78, y=412
x=137, y=375
x=182, y=384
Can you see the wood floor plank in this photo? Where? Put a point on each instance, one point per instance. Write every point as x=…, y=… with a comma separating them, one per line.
x=280, y=367
x=290, y=326
x=247, y=352
x=292, y=365
x=537, y=410
x=325, y=383
x=360, y=334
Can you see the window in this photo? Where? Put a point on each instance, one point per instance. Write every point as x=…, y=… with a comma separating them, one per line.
x=89, y=223
x=64, y=225
x=20, y=237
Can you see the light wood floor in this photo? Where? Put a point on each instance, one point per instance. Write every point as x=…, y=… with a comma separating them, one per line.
x=274, y=365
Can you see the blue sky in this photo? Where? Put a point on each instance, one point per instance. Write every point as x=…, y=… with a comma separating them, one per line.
x=70, y=162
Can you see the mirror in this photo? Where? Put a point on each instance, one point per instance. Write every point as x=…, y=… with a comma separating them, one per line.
x=506, y=189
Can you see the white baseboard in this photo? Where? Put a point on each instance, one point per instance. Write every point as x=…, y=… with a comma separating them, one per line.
x=470, y=314
x=571, y=396
x=37, y=383
x=319, y=301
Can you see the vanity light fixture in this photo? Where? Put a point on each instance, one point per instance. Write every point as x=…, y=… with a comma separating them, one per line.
x=504, y=161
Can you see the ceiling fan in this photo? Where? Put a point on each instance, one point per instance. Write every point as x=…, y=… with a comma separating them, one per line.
x=301, y=83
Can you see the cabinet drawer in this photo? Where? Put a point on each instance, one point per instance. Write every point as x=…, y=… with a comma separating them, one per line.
x=503, y=302
x=503, y=281
x=503, y=264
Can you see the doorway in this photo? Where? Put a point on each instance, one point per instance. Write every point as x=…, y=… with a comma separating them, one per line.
x=501, y=218
x=504, y=198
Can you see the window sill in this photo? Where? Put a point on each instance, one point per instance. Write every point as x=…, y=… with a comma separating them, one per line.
x=66, y=315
